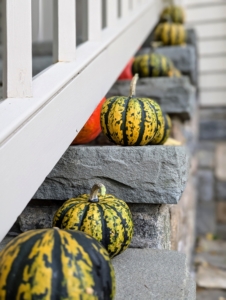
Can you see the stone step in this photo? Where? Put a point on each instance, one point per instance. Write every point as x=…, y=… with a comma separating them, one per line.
x=145, y=174
x=176, y=96
x=143, y=274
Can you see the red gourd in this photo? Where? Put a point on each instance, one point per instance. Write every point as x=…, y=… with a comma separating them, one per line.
x=92, y=127
x=127, y=71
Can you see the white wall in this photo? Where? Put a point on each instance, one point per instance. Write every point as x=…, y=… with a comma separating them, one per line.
x=208, y=17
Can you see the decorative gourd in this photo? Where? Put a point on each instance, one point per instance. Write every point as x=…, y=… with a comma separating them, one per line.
x=175, y=14
x=127, y=71
x=104, y=217
x=152, y=65
x=163, y=132
x=92, y=127
x=55, y=264
x=130, y=121
x=170, y=34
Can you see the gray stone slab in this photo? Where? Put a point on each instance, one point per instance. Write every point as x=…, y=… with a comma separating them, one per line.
x=206, y=185
x=206, y=218
x=152, y=227
x=213, y=124
x=175, y=95
x=143, y=274
x=220, y=190
x=148, y=174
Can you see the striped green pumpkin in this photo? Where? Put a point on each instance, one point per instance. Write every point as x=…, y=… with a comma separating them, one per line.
x=175, y=14
x=170, y=34
x=104, y=217
x=55, y=264
x=152, y=65
x=130, y=121
x=175, y=73
x=163, y=132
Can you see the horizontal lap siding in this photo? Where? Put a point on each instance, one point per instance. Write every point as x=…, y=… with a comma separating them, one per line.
x=208, y=17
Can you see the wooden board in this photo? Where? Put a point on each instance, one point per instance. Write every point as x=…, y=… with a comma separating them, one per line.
x=212, y=47
x=212, y=64
x=212, y=81
x=206, y=13
x=213, y=98
x=210, y=30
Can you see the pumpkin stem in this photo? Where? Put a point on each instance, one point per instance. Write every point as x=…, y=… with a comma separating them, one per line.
x=133, y=85
x=94, y=191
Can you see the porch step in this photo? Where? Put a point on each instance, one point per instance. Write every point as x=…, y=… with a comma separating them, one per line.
x=143, y=274
x=176, y=96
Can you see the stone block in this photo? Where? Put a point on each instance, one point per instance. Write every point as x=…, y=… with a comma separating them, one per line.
x=220, y=190
x=206, y=159
x=37, y=216
x=212, y=124
x=206, y=185
x=152, y=228
x=148, y=174
x=153, y=274
x=220, y=159
x=221, y=212
x=206, y=218
x=175, y=95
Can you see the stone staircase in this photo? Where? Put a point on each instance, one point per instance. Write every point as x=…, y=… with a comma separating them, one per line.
x=157, y=182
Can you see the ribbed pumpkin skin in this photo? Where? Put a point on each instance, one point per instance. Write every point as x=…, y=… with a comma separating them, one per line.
x=56, y=264
x=152, y=65
x=175, y=13
x=109, y=221
x=170, y=34
x=129, y=121
x=163, y=132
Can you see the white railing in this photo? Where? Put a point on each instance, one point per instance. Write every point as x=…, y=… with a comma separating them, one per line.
x=39, y=117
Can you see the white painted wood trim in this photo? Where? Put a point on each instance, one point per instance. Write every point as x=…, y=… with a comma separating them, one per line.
x=64, y=34
x=35, y=134
x=212, y=98
x=94, y=19
x=111, y=12
x=17, y=52
x=124, y=8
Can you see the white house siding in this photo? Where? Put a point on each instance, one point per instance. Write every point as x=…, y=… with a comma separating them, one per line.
x=208, y=17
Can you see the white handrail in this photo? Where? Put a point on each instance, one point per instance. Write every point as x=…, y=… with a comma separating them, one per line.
x=34, y=133
x=64, y=33
x=17, y=67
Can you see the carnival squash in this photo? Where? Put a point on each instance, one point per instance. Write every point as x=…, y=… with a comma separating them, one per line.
x=170, y=34
x=92, y=127
x=164, y=130
x=152, y=65
x=175, y=14
x=130, y=121
x=104, y=217
x=55, y=264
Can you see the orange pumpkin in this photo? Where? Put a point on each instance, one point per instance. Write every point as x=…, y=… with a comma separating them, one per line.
x=127, y=71
x=92, y=127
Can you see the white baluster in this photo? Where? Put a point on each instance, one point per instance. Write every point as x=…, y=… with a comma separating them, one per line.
x=17, y=51
x=112, y=12
x=124, y=8
x=94, y=19
x=64, y=34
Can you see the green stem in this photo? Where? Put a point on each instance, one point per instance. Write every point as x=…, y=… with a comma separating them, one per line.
x=94, y=191
x=133, y=85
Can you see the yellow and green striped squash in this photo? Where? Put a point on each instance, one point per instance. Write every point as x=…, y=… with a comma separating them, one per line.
x=104, y=217
x=130, y=121
x=152, y=65
x=51, y=264
x=175, y=14
x=163, y=132
x=175, y=73
x=170, y=34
